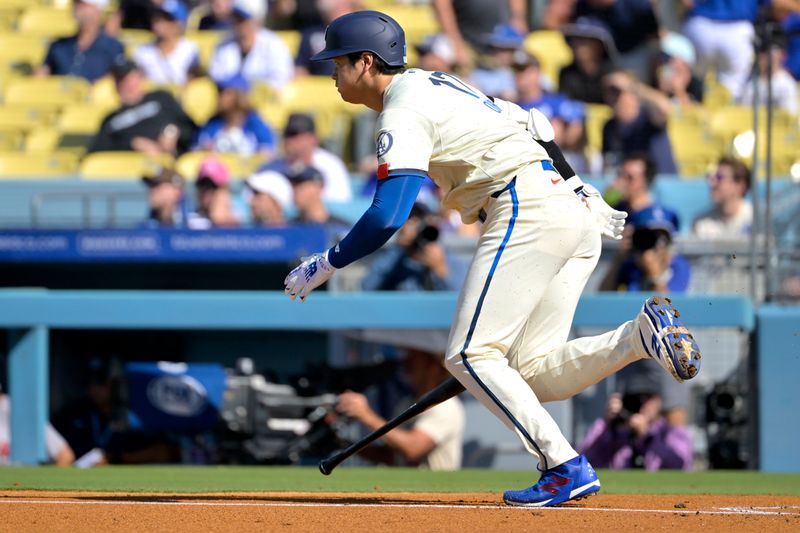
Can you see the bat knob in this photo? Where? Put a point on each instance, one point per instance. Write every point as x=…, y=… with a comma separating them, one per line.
x=323, y=467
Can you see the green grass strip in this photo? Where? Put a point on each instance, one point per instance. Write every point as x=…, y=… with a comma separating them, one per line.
x=189, y=479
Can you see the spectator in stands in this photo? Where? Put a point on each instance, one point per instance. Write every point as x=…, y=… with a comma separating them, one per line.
x=493, y=75
x=152, y=123
x=434, y=440
x=639, y=123
x=253, y=52
x=566, y=116
x=214, y=207
x=58, y=451
x=171, y=59
x=436, y=53
x=236, y=127
x=165, y=198
x=416, y=261
x=301, y=145
x=634, y=28
x=88, y=54
x=312, y=38
x=593, y=54
x=784, y=86
x=635, y=433
x=308, y=185
x=732, y=214
x=269, y=194
x=466, y=22
x=722, y=33
x=630, y=191
x=132, y=15
x=646, y=262
x=674, y=76
x=557, y=14
x=219, y=16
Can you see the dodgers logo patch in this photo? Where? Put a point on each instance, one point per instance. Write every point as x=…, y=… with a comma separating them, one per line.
x=384, y=143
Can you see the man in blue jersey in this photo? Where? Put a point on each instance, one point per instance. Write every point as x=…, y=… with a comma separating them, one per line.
x=540, y=241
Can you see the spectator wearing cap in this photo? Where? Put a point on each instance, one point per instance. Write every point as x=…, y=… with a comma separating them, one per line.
x=308, y=185
x=493, y=75
x=634, y=29
x=171, y=58
x=236, y=127
x=567, y=116
x=722, y=33
x=214, y=207
x=253, y=52
x=674, y=76
x=638, y=123
x=312, y=38
x=165, y=198
x=784, y=87
x=88, y=54
x=301, y=147
x=650, y=264
x=731, y=217
x=594, y=55
x=219, y=16
x=467, y=22
x=152, y=123
x=436, y=53
x=268, y=194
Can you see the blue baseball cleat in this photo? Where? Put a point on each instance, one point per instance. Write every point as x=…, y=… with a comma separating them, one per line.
x=667, y=340
x=572, y=480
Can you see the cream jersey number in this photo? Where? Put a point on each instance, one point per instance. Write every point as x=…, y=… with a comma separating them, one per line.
x=468, y=145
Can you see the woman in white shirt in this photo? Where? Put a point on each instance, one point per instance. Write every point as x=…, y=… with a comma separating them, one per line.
x=171, y=59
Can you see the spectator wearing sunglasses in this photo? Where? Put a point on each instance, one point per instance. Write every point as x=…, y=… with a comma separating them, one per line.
x=731, y=217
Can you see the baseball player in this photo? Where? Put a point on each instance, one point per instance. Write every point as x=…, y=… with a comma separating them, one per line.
x=540, y=241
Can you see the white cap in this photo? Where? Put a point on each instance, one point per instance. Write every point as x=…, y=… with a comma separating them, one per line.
x=676, y=45
x=439, y=45
x=100, y=4
x=273, y=183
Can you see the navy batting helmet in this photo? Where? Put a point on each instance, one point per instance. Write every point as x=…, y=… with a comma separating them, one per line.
x=365, y=31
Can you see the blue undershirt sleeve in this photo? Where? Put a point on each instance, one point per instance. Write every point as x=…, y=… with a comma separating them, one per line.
x=391, y=206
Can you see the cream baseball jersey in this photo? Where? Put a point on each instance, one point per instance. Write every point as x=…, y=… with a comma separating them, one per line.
x=435, y=123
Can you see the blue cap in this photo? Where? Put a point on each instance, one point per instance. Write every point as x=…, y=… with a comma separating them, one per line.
x=237, y=81
x=505, y=36
x=655, y=217
x=365, y=31
x=175, y=10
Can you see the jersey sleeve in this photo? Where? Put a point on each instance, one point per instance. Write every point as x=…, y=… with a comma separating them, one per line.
x=404, y=143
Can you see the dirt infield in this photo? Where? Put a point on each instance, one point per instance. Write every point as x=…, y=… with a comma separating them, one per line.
x=73, y=512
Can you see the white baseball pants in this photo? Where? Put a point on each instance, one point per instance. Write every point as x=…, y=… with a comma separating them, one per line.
x=508, y=344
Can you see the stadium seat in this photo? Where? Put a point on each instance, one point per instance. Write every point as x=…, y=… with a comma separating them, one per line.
x=417, y=20
x=716, y=95
x=118, y=165
x=82, y=118
x=22, y=48
x=55, y=165
x=11, y=140
x=291, y=39
x=552, y=51
x=104, y=93
x=24, y=118
x=274, y=114
x=694, y=149
x=188, y=164
x=47, y=93
x=206, y=41
x=132, y=39
x=199, y=99
x=596, y=117
x=42, y=140
x=318, y=96
x=47, y=21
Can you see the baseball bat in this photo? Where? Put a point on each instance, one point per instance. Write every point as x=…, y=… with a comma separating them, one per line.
x=443, y=392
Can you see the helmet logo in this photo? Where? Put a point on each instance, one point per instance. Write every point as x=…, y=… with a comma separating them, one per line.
x=384, y=143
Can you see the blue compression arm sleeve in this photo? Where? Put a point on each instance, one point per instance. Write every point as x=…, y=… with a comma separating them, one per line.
x=390, y=209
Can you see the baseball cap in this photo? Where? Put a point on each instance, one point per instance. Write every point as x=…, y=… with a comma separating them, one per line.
x=439, y=45
x=592, y=28
x=213, y=172
x=274, y=184
x=655, y=218
x=122, y=67
x=505, y=36
x=174, y=10
x=522, y=60
x=248, y=9
x=302, y=173
x=299, y=123
x=100, y=4
x=237, y=81
x=678, y=46
x=161, y=174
